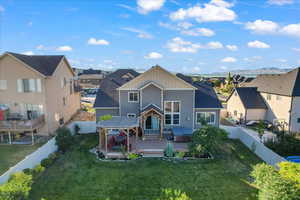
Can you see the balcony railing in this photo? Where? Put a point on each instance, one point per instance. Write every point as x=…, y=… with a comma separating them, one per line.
x=22, y=125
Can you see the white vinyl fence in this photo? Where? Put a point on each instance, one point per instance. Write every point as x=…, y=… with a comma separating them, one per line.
x=86, y=127
x=31, y=160
x=252, y=141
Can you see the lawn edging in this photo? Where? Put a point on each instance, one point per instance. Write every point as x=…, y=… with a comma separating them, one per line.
x=254, y=144
x=31, y=160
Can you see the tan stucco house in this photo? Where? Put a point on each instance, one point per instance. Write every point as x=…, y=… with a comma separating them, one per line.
x=275, y=98
x=37, y=93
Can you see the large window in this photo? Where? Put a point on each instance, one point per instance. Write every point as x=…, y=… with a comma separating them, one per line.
x=172, y=112
x=29, y=85
x=133, y=97
x=206, y=117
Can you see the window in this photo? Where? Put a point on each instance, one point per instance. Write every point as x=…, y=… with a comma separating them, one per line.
x=172, y=112
x=131, y=115
x=133, y=97
x=208, y=117
x=3, y=84
x=298, y=120
x=278, y=97
x=269, y=97
x=29, y=85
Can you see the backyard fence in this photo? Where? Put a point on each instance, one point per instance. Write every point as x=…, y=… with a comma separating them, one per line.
x=86, y=127
x=252, y=141
x=31, y=160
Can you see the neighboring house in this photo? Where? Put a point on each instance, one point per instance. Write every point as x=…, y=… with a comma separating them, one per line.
x=281, y=96
x=90, y=78
x=38, y=89
x=159, y=99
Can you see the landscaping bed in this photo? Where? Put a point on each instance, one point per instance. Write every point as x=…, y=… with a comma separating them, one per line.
x=79, y=175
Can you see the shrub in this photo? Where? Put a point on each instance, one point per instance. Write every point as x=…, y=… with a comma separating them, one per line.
x=37, y=171
x=206, y=139
x=169, y=194
x=290, y=171
x=273, y=185
x=46, y=162
x=105, y=117
x=169, y=151
x=286, y=145
x=77, y=129
x=64, y=139
x=180, y=154
x=17, y=187
x=132, y=156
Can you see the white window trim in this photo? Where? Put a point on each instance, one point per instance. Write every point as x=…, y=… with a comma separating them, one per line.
x=199, y=123
x=134, y=115
x=172, y=113
x=129, y=97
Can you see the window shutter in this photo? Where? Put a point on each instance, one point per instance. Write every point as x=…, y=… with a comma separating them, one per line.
x=20, y=85
x=38, y=85
x=32, y=85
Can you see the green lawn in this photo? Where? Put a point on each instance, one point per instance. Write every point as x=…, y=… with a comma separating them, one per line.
x=77, y=175
x=12, y=154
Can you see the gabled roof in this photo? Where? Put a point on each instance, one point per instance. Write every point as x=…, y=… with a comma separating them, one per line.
x=46, y=65
x=250, y=98
x=160, y=76
x=287, y=84
x=107, y=95
x=205, y=96
x=152, y=107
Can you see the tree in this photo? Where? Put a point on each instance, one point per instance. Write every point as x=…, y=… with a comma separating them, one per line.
x=64, y=139
x=169, y=194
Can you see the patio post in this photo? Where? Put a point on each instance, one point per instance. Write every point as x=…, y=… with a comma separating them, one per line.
x=99, y=133
x=136, y=133
x=127, y=140
x=32, y=138
x=9, y=137
x=105, y=132
x=161, y=127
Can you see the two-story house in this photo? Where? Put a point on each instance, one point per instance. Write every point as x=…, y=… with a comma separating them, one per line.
x=155, y=102
x=36, y=92
x=275, y=98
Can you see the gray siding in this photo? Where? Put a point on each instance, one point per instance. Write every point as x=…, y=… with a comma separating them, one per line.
x=186, y=98
x=295, y=114
x=101, y=112
x=207, y=110
x=128, y=107
x=151, y=95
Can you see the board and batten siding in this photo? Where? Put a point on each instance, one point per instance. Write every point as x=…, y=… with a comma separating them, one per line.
x=101, y=112
x=128, y=107
x=217, y=114
x=186, y=98
x=151, y=95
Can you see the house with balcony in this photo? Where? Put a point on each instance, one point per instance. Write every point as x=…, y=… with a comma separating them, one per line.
x=38, y=94
x=152, y=106
x=271, y=97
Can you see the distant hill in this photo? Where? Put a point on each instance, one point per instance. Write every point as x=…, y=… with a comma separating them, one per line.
x=253, y=72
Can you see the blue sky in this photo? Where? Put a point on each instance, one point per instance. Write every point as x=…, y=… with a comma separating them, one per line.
x=196, y=36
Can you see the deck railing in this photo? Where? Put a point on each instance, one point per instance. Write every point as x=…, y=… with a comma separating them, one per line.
x=22, y=125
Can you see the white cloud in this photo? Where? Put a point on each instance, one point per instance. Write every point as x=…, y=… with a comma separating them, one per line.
x=179, y=45
x=146, y=6
x=296, y=49
x=29, y=24
x=291, y=29
x=2, y=9
x=281, y=60
x=229, y=60
x=153, y=55
x=196, y=69
x=126, y=6
x=232, y=47
x=253, y=59
x=64, y=48
x=184, y=25
x=28, y=53
x=299, y=62
x=280, y=2
x=94, y=41
x=214, y=11
x=40, y=47
x=224, y=67
x=199, y=32
x=214, y=45
x=258, y=44
x=141, y=33
x=262, y=26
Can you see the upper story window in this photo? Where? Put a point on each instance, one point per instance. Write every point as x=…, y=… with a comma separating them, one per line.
x=269, y=97
x=205, y=117
x=131, y=115
x=3, y=84
x=172, y=112
x=29, y=85
x=133, y=96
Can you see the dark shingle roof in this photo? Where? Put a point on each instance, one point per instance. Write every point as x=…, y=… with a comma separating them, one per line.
x=283, y=84
x=46, y=65
x=107, y=95
x=185, y=78
x=250, y=97
x=205, y=96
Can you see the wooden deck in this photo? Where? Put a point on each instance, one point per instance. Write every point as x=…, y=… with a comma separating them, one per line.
x=22, y=125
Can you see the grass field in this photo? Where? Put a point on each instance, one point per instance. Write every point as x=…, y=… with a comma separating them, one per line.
x=77, y=175
x=12, y=154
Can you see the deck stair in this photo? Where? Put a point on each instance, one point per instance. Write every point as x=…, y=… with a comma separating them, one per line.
x=152, y=153
x=151, y=137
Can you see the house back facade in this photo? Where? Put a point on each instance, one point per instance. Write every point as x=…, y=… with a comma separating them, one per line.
x=160, y=99
x=36, y=87
x=275, y=98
